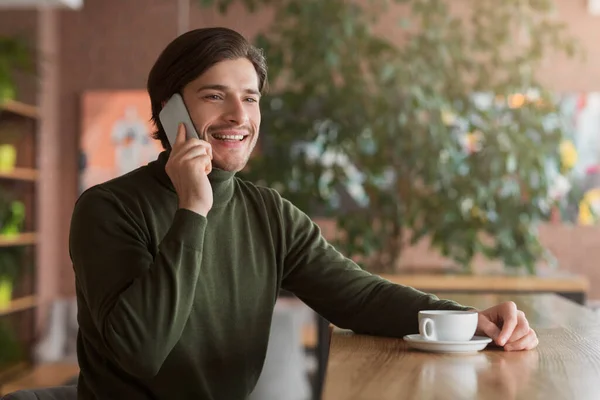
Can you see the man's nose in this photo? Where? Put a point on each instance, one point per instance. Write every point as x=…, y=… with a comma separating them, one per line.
x=236, y=112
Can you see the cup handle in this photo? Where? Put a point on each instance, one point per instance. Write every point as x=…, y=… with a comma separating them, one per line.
x=426, y=327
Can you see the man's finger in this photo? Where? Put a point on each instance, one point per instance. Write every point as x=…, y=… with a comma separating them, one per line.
x=201, y=162
x=193, y=152
x=487, y=327
x=193, y=143
x=207, y=164
x=527, y=342
x=208, y=147
x=521, y=330
x=210, y=153
x=509, y=316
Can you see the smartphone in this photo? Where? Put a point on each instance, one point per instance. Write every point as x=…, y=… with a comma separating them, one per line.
x=173, y=113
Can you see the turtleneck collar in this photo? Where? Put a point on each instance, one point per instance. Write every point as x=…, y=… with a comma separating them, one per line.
x=222, y=181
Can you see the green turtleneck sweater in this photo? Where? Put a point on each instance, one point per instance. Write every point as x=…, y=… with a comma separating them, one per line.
x=173, y=305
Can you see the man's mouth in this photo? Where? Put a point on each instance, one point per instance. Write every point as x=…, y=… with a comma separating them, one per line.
x=230, y=135
x=229, y=138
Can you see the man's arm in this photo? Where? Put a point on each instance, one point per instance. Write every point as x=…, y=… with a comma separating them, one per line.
x=139, y=304
x=340, y=290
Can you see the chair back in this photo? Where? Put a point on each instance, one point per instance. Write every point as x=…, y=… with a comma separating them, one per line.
x=52, y=393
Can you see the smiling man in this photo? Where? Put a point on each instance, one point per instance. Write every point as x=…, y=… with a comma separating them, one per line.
x=179, y=263
x=224, y=93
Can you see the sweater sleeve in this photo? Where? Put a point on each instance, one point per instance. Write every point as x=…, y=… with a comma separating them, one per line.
x=139, y=304
x=342, y=292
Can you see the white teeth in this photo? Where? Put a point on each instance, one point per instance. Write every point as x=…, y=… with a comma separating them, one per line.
x=229, y=137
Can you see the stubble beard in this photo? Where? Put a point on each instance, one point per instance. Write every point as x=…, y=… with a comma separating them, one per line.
x=237, y=166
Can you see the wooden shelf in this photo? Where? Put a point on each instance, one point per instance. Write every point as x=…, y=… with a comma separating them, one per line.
x=20, y=304
x=19, y=123
x=22, y=109
x=18, y=240
x=21, y=174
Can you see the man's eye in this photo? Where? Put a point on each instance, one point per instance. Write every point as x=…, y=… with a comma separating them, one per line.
x=251, y=100
x=213, y=97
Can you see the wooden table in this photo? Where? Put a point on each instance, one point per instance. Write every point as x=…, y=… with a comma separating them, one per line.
x=565, y=365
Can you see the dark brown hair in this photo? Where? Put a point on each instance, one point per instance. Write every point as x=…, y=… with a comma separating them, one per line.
x=188, y=56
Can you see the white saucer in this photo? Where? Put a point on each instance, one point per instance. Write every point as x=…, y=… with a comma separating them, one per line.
x=477, y=343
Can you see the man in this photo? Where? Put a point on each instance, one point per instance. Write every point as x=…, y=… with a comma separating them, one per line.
x=179, y=263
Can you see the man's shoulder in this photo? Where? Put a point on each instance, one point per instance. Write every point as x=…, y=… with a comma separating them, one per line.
x=138, y=176
x=133, y=186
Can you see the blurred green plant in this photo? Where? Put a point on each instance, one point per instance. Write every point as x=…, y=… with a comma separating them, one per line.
x=12, y=216
x=11, y=259
x=14, y=55
x=11, y=350
x=446, y=133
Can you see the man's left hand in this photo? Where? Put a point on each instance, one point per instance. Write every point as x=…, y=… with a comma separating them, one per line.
x=507, y=326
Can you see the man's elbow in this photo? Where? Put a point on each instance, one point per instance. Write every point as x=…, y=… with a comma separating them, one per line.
x=140, y=366
x=140, y=357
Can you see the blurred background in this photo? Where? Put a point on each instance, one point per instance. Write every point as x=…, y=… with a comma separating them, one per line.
x=447, y=145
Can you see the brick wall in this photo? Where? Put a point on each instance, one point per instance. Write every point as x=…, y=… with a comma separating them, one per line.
x=111, y=44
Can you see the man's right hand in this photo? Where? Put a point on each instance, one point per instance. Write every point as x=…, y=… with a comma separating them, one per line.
x=188, y=167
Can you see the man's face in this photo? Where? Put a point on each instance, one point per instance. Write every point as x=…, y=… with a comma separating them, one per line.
x=223, y=103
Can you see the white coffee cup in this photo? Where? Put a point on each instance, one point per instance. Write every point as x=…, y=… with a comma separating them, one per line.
x=447, y=325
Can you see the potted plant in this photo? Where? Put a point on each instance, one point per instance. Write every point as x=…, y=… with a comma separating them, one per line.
x=10, y=134
x=10, y=266
x=14, y=55
x=12, y=216
x=445, y=134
